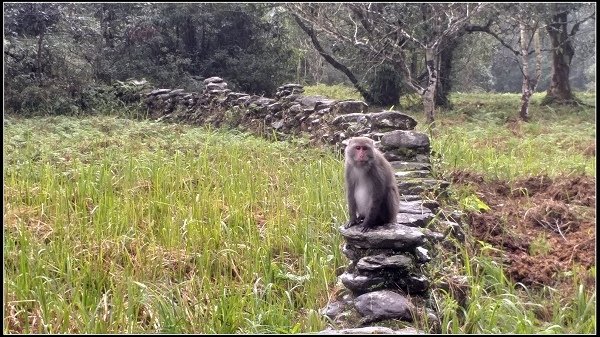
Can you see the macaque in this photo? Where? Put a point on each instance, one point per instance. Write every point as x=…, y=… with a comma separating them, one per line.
x=370, y=185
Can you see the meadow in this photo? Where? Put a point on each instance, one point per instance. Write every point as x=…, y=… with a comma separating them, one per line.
x=113, y=225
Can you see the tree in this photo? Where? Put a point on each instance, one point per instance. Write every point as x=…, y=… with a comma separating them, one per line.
x=562, y=50
x=516, y=27
x=392, y=33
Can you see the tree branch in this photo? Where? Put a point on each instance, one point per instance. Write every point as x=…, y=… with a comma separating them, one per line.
x=337, y=65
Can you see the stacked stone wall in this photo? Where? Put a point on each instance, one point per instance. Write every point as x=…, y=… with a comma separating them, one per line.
x=386, y=278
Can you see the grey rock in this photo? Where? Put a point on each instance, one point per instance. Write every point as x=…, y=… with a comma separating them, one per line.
x=216, y=86
x=361, y=283
x=355, y=253
x=290, y=86
x=393, y=120
x=213, y=79
x=277, y=124
x=335, y=308
x=405, y=139
x=417, y=186
x=349, y=107
x=422, y=254
x=414, y=207
x=378, y=262
x=433, y=236
x=410, y=197
x=359, y=118
x=415, y=220
x=264, y=101
x=370, y=330
x=176, y=92
x=413, y=174
x=410, y=166
x=384, y=304
x=158, y=92
x=313, y=101
x=392, y=235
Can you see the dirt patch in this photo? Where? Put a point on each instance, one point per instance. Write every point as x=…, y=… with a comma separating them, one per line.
x=544, y=226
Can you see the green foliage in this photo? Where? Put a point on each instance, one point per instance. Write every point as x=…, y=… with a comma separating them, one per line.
x=56, y=52
x=540, y=245
x=385, y=86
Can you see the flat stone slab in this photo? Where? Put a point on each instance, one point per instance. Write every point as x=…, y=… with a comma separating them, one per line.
x=417, y=186
x=410, y=166
x=158, y=92
x=349, y=107
x=214, y=79
x=392, y=120
x=414, y=220
x=368, y=330
x=384, y=304
x=392, y=235
x=415, y=207
x=354, y=253
x=383, y=261
x=360, y=284
x=404, y=139
x=410, y=197
x=412, y=174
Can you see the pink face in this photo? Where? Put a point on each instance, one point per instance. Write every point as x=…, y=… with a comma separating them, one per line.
x=361, y=154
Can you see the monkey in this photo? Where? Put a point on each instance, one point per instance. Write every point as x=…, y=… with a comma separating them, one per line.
x=371, y=188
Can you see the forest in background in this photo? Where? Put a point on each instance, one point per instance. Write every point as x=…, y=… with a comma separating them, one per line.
x=56, y=54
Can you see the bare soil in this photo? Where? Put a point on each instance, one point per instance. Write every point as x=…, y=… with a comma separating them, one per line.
x=545, y=226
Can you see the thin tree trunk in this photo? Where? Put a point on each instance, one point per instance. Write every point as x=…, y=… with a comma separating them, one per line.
x=429, y=92
x=529, y=84
x=526, y=93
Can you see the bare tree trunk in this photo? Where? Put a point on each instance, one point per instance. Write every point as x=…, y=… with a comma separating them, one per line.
x=429, y=92
x=529, y=84
x=444, y=85
x=562, y=54
x=526, y=96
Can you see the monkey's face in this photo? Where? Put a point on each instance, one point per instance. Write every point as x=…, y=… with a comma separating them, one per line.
x=361, y=154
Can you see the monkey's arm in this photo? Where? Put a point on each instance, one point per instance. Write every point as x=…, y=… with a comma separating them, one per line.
x=353, y=219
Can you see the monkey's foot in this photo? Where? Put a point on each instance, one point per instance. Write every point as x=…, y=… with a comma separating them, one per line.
x=365, y=229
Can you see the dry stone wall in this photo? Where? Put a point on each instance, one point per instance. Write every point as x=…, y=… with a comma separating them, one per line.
x=386, y=277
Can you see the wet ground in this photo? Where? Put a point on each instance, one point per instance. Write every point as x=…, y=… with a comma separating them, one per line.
x=545, y=226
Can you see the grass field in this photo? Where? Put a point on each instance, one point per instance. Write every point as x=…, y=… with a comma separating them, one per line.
x=113, y=225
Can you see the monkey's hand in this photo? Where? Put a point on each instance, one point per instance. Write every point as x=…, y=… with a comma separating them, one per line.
x=365, y=229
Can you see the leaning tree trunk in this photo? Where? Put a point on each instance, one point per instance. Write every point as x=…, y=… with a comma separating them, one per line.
x=562, y=54
x=432, y=81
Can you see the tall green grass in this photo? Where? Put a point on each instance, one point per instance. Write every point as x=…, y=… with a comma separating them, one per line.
x=113, y=226
x=337, y=91
x=496, y=305
x=483, y=134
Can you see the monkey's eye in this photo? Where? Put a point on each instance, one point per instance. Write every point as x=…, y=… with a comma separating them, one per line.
x=358, y=147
